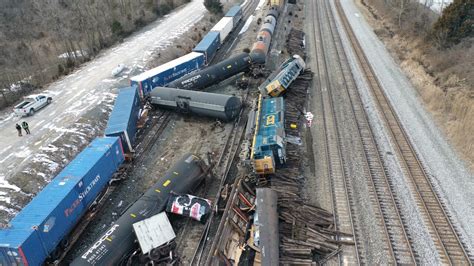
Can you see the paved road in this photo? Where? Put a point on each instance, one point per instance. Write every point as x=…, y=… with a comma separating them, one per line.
x=76, y=94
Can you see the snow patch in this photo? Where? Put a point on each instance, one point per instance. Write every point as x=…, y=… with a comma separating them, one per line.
x=23, y=153
x=4, y=184
x=246, y=25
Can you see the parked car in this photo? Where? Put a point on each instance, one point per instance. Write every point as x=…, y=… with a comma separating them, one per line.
x=31, y=104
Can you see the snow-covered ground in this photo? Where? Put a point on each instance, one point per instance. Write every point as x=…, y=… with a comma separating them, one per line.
x=449, y=174
x=80, y=92
x=246, y=25
x=436, y=5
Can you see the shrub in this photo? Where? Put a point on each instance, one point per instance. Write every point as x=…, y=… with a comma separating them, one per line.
x=455, y=23
x=214, y=6
x=116, y=28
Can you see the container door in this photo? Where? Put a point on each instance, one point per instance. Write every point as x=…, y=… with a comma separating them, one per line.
x=10, y=257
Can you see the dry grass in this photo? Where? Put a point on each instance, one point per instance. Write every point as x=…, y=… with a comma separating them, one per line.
x=444, y=79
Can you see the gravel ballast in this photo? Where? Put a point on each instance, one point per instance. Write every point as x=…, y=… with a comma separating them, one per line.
x=449, y=175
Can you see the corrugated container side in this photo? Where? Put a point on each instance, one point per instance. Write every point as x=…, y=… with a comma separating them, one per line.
x=168, y=72
x=209, y=45
x=60, y=205
x=233, y=11
x=124, y=117
x=224, y=27
x=236, y=13
x=22, y=247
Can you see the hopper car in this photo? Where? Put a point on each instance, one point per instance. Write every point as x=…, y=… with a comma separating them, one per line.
x=119, y=240
x=41, y=229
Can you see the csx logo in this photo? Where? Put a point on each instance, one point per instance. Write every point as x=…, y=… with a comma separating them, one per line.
x=270, y=120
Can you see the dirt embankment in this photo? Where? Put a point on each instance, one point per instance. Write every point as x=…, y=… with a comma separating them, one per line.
x=444, y=78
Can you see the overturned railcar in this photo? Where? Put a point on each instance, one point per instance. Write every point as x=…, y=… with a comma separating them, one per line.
x=118, y=241
x=221, y=106
x=213, y=74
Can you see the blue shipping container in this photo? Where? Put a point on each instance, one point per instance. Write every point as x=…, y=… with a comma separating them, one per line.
x=236, y=13
x=209, y=45
x=164, y=74
x=124, y=117
x=38, y=229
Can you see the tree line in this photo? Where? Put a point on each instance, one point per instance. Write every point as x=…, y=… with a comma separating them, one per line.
x=43, y=40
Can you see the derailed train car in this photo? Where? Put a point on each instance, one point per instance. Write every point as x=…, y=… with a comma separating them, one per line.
x=269, y=146
x=163, y=74
x=224, y=107
x=213, y=74
x=41, y=229
x=124, y=117
x=264, y=37
x=118, y=241
x=285, y=75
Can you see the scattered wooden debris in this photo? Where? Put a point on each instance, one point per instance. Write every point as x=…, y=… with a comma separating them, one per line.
x=295, y=43
x=307, y=232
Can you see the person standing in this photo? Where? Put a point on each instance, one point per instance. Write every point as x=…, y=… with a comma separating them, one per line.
x=18, y=128
x=25, y=127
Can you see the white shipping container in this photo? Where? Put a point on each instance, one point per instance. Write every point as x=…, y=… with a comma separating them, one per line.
x=224, y=27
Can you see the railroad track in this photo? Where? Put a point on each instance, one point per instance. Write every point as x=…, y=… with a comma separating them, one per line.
x=223, y=52
x=343, y=205
x=225, y=161
x=382, y=195
x=152, y=135
x=445, y=236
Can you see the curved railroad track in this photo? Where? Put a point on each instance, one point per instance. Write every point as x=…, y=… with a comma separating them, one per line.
x=445, y=236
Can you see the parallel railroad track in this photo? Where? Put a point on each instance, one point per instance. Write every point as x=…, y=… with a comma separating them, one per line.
x=224, y=163
x=445, y=236
x=400, y=248
x=223, y=52
x=343, y=204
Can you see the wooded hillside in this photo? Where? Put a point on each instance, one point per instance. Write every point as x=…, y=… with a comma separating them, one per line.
x=42, y=40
